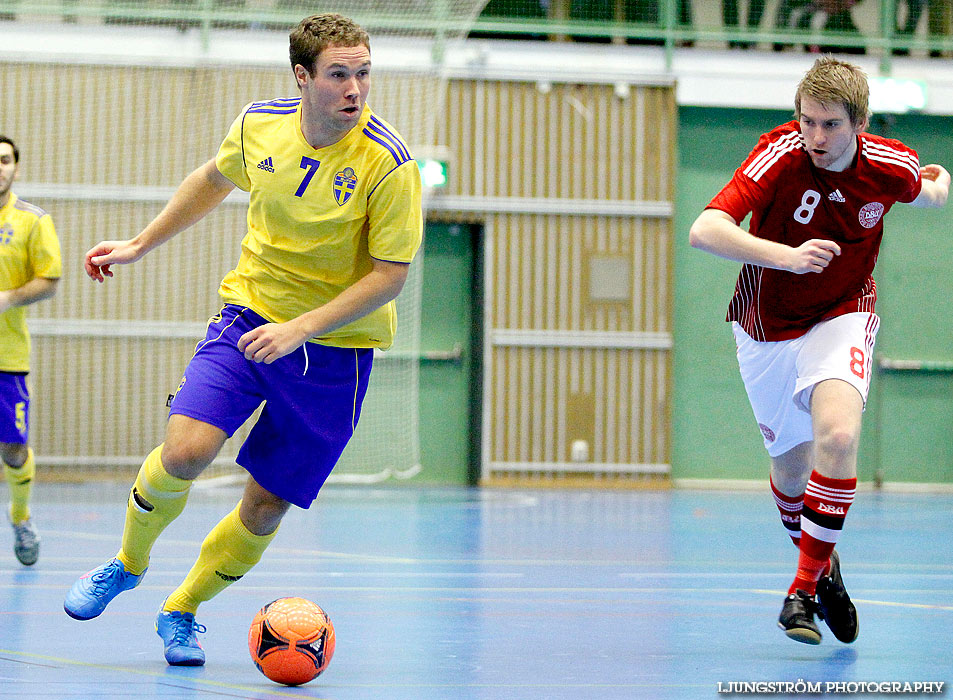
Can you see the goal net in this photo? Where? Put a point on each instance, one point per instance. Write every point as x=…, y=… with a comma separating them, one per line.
x=112, y=103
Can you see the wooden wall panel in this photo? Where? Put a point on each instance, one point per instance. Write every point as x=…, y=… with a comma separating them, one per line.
x=132, y=133
x=179, y=278
x=145, y=126
x=539, y=272
x=545, y=398
x=575, y=141
x=148, y=127
x=107, y=379
x=570, y=144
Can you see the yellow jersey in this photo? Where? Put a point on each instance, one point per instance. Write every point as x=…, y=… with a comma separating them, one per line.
x=29, y=248
x=318, y=217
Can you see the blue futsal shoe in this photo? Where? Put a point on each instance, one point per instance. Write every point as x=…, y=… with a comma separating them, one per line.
x=178, y=630
x=90, y=595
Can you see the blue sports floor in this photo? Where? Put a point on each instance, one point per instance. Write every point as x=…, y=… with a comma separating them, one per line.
x=490, y=594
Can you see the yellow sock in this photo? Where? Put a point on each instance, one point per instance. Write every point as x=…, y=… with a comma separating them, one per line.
x=156, y=499
x=20, y=480
x=228, y=553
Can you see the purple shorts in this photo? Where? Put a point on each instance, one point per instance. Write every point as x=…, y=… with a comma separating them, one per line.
x=14, y=408
x=312, y=401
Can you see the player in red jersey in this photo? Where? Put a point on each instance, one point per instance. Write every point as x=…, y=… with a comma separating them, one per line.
x=803, y=314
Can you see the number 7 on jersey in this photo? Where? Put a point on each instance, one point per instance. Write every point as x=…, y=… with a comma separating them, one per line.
x=311, y=165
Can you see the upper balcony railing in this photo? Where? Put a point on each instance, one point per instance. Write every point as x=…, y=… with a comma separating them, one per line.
x=669, y=24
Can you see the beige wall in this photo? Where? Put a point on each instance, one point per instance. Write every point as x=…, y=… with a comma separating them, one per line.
x=567, y=146
x=579, y=147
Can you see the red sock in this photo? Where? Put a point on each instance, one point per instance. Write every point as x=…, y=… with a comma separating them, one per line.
x=790, y=509
x=825, y=507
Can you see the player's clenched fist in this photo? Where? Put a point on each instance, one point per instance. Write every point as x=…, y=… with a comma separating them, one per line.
x=813, y=256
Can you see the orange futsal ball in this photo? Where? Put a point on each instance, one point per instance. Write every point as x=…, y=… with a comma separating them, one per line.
x=291, y=640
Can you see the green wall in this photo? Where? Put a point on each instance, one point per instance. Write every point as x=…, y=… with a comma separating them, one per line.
x=908, y=430
x=908, y=427
x=915, y=286
x=450, y=318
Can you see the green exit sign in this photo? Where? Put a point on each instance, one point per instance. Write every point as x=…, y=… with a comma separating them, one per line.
x=433, y=173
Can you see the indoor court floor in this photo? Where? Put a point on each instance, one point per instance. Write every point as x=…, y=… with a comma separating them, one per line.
x=461, y=594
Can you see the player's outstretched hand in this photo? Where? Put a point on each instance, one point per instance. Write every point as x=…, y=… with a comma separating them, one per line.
x=813, y=256
x=268, y=342
x=102, y=255
x=936, y=173
x=934, y=187
x=939, y=175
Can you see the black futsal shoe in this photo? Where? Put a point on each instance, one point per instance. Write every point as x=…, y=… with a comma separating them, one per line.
x=797, y=618
x=834, y=605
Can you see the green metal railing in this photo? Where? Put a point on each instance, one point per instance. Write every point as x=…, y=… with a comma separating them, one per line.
x=672, y=34
x=210, y=15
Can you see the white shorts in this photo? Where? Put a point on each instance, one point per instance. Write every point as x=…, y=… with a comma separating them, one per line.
x=780, y=376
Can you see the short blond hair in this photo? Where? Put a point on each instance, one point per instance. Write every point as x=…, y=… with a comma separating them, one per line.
x=834, y=82
x=316, y=33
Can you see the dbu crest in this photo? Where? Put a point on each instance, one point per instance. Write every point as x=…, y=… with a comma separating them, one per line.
x=344, y=184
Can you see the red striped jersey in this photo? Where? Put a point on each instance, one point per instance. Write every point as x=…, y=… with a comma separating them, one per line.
x=792, y=201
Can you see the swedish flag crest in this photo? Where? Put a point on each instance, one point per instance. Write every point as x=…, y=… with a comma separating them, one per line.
x=344, y=184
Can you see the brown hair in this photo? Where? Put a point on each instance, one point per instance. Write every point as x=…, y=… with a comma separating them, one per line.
x=316, y=33
x=833, y=82
x=16, y=151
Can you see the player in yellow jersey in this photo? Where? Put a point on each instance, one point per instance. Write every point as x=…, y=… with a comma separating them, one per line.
x=334, y=221
x=29, y=271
